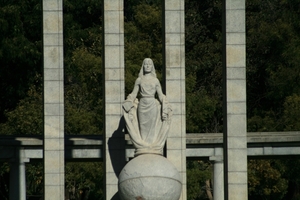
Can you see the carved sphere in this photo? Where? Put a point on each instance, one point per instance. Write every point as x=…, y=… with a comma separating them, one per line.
x=149, y=177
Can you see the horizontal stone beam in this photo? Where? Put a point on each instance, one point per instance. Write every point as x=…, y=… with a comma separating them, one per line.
x=252, y=137
x=198, y=145
x=8, y=154
x=207, y=152
x=70, y=154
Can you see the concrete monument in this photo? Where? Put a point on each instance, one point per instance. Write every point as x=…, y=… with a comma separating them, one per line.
x=147, y=120
x=149, y=175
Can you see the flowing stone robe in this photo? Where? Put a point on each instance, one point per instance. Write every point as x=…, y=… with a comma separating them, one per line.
x=147, y=120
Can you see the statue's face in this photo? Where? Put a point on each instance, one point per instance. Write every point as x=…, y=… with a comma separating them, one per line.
x=148, y=66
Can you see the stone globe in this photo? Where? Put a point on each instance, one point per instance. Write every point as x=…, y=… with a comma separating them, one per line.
x=149, y=177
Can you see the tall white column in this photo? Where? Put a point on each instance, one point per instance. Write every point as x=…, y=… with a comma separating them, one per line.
x=54, y=161
x=113, y=60
x=235, y=133
x=17, y=176
x=218, y=174
x=218, y=186
x=175, y=84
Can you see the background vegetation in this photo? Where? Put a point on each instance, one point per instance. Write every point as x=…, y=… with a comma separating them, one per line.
x=273, y=86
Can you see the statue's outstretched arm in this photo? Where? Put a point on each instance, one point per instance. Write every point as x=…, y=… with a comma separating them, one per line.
x=128, y=104
x=135, y=90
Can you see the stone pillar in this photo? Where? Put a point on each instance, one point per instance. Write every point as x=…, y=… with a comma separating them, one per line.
x=113, y=60
x=54, y=168
x=235, y=133
x=175, y=84
x=218, y=187
x=17, y=176
x=218, y=174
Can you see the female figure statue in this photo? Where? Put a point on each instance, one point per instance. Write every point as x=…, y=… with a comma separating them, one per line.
x=147, y=120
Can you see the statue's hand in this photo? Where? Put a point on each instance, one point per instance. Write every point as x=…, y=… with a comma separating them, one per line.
x=127, y=106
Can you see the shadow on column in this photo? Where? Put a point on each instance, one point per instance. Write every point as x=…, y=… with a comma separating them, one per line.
x=116, y=148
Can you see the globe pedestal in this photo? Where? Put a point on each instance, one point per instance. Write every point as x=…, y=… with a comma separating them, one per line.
x=149, y=177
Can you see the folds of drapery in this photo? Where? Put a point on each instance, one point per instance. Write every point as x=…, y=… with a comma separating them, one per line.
x=147, y=139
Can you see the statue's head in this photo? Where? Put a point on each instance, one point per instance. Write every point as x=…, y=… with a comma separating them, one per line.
x=147, y=67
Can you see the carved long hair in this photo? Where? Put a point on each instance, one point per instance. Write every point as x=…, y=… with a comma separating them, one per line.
x=153, y=73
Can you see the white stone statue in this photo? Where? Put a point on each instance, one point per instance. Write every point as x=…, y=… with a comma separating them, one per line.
x=147, y=120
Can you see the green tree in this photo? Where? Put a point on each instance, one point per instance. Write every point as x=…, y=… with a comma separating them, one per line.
x=83, y=67
x=273, y=86
x=20, y=50
x=272, y=58
x=198, y=172
x=4, y=177
x=292, y=175
x=83, y=93
x=290, y=117
x=143, y=38
x=84, y=180
x=265, y=179
x=27, y=117
x=203, y=65
x=34, y=179
x=291, y=113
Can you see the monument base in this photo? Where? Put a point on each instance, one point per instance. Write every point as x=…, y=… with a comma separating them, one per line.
x=149, y=177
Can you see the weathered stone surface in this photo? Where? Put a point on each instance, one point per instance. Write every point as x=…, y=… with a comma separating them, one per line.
x=235, y=117
x=53, y=83
x=149, y=177
x=147, y=119
x=113, y=64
